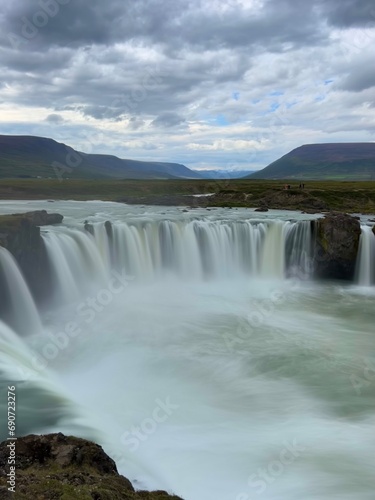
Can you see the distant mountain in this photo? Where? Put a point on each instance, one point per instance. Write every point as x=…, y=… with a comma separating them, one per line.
x=223, y=174
x=28, y=156
x=346, y=161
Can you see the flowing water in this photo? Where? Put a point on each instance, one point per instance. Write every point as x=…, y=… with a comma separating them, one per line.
x=197, y=349
x=366, y=257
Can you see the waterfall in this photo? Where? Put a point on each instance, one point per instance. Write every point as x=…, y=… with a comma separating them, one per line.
x=273, y=255
x=188, y=249
x=298, y=249
x=365, y=272
x=76, y=262
x=44, y=403
x=209, y=334
x=21, y=311
x=193, y=250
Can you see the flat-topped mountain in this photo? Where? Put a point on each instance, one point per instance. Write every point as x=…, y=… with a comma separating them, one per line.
x=28, y=156
x=341, y=161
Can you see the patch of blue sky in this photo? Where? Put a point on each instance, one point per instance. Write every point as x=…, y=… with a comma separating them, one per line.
x=214, y=120
x=319, y=98
x=289, y=105
x=236, y=96
x=274, y=106
x=328, y=82
x=272, y=109
x=276, y=93
x=221, y=121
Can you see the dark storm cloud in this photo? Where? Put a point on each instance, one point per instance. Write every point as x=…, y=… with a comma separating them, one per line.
x=359, y=75
x=100, y=112
x=23, y=61
x=168, y=120
x=360, y=80
x=174, y=24
x=54, y=118
x=350, y=13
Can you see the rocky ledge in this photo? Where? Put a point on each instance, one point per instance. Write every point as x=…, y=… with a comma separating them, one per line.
x=57, y=467
x=20, y=234
x=337, y=239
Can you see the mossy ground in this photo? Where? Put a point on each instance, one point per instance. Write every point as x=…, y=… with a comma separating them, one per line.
x=54, y=483
x=58, y=467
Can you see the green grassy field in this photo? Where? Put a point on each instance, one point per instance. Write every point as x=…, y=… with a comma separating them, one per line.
x=319, y=195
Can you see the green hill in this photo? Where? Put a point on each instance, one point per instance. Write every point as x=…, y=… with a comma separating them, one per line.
x=28, y=156
x=346, y=161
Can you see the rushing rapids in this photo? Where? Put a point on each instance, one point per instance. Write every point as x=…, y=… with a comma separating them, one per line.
x=197, y=351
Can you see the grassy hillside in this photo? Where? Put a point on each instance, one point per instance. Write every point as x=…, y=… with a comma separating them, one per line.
x=347, y=161
x=27, y=156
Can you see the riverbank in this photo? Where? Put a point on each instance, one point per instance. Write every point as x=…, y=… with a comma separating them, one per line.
x=317, y=196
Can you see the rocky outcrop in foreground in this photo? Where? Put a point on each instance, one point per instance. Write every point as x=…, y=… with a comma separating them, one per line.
x=66, y=468
x=20, y=234
x=336, y=246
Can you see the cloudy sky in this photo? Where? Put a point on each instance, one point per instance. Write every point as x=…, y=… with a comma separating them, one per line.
x=230, y=84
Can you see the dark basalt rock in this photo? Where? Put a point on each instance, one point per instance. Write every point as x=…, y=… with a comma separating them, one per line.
x=42, y=218
x=20, y=235
x=89, y=227
x=60, y=467
x=109, y=229
x=336, y=246
x=261, y=209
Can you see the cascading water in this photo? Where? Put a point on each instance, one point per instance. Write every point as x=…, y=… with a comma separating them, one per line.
x=187, y=249
x=366, y=258
x=76, y=263
x=21, y=310
x=208, y=374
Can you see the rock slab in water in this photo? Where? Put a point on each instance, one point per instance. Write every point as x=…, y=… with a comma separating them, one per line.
x=336, y=246
x=66, y=468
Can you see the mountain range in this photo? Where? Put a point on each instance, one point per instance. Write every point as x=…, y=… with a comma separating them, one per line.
x=224, y=174
x=35, y=157
x=338, y=161
x=40, y=157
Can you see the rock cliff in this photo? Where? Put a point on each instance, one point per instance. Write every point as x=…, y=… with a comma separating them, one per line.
x=20, y=234
x=67, y=468
x=336, y=246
